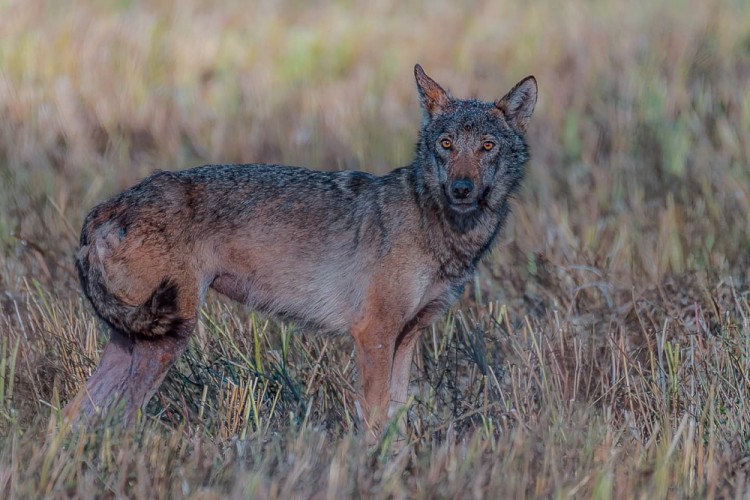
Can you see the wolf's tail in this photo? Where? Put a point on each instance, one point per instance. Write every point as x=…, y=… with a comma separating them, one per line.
x=156, y=317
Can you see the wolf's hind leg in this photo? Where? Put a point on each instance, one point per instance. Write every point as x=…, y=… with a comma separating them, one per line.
x=129, y=372
x=107, y=382
x=152, y=359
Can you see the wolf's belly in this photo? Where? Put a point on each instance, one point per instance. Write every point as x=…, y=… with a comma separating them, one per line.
x=326, y=302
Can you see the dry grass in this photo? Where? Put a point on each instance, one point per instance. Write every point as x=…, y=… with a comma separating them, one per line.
x=603, y=351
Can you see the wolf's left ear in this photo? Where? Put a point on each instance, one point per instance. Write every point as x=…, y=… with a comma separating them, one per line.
x=434, y=99
x=518, y=105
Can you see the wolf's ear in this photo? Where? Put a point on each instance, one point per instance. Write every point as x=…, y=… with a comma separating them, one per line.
x=518, y=105
x=434, y=99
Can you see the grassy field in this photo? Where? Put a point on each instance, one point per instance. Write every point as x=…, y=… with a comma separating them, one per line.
x=603, y=350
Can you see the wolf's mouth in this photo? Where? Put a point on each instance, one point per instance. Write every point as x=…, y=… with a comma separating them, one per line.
x=466, y=205
x=463, y=207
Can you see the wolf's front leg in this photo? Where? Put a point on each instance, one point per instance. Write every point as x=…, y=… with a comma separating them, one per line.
x=400, y=375
x=375, y=347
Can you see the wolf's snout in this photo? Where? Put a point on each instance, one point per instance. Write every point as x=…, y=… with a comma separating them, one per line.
x=462, y=189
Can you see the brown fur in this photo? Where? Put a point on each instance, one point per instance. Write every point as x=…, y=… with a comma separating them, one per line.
x=379, y=257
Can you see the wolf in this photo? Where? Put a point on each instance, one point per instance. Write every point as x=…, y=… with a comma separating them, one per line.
x=377, y=257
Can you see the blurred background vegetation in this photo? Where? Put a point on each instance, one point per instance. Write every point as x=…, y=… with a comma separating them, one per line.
x=610, y=324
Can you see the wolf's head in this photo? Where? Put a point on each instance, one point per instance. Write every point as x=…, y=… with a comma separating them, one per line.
x=472, y=152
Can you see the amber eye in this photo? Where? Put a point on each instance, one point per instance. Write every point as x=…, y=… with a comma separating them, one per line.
x=488, y=145
x=446, y=143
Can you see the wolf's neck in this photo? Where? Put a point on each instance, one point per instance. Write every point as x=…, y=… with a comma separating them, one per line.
x=456, y=244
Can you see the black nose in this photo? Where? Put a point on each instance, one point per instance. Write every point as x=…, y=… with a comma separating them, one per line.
x=462, y=188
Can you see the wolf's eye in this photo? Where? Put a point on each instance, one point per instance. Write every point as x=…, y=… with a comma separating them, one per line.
x=446, y=143
x=488, y=145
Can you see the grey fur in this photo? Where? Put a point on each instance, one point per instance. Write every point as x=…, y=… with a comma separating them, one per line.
x=378, y=257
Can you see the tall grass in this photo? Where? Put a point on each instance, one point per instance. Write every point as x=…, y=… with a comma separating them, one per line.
x=602, y=351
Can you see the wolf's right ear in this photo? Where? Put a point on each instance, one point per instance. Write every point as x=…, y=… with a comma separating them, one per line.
x=434, y=99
